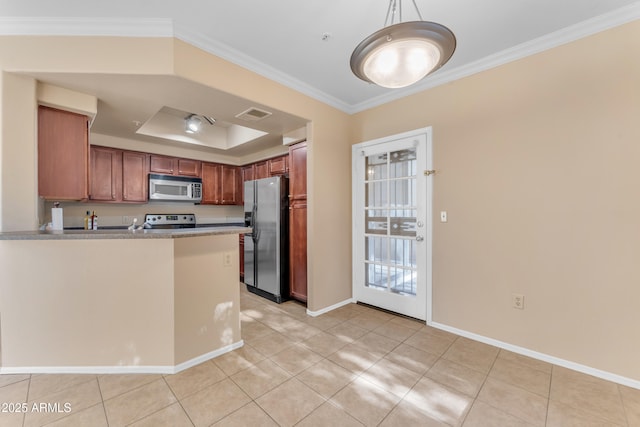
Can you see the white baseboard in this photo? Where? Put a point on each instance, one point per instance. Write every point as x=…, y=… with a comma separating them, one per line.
x=208, y=356
x=541, y=356
x=330, y=308
x=121, y=369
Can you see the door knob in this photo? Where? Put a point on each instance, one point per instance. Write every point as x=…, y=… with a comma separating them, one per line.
x=419, y=238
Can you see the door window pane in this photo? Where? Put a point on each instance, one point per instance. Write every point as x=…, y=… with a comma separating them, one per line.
x=403, y=252
x=376, y=276
x=403, y=281
x=376, y=167
x=403, y=192
x=376, y=194
x=376, y=249
x=402, y=163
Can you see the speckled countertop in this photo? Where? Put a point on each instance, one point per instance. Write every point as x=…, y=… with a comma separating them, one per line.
x=123, y=233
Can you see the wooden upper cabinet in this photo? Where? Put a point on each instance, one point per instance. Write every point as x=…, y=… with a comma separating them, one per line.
x=63, y=155
x=221, y=184
x=298, y=171
x=175, y=166
x=106, y=174
x=210, y=184
x=248, y=172
x=118, y=175
x=230, y=185
x=135, y=177
x=188, y=167
x=279, y=165
x=261, y=170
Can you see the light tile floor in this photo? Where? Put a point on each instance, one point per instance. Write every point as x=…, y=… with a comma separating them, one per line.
x=353, y=366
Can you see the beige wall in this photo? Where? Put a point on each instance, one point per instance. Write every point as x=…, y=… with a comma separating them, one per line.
x=329, y=145
x=83, y=313
x=18, y=183
x=537, y=166
x=201, y=278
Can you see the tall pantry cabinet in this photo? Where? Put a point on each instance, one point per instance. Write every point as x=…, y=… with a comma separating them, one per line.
x=298, y=221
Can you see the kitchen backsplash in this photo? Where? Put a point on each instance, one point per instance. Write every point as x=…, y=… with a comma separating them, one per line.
x=117, y=215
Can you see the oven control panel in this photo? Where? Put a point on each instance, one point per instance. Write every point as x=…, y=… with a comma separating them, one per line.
x=169, y=220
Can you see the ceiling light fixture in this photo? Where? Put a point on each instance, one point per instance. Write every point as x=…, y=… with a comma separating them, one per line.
x=192, y=123
x=401, y=54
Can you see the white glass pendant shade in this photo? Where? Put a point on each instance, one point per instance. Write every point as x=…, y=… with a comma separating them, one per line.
x=402, y=54
x=401, y=63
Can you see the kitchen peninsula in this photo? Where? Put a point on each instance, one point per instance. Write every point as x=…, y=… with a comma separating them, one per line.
x=118, y=301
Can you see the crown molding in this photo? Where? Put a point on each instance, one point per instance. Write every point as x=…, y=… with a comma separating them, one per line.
x=114, y=27
x=566, y=35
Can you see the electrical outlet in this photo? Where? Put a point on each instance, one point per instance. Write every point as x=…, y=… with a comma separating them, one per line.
x=126, y=220
x=226, y=259
x=517, y=300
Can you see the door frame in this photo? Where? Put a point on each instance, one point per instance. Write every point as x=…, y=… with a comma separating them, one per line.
x=356, y=151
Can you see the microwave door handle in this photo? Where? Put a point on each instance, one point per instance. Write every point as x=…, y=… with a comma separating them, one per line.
x=190, y=191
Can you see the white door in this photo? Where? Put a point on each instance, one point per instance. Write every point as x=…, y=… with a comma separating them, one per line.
x=392, y=223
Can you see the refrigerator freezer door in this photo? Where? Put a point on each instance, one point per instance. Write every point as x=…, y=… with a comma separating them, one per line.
x=267, y=230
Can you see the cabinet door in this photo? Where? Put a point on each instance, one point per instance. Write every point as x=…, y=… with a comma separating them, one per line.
x=298, y=251
x=63, y=155
x=162, y=164
x=248, y=173
x=210, y=184
x=106, y=174
x=298, y=171
x=135, y=181
x=230, y=185
x=188, y=167
x=261, y=170
x=278, y=166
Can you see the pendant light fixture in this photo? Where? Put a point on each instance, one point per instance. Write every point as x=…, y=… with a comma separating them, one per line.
x=403, y=53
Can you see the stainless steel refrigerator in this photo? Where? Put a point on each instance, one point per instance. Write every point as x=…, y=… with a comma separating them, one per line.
x=266, y=257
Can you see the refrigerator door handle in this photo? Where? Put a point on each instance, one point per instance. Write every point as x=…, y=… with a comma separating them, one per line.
x=255, y=235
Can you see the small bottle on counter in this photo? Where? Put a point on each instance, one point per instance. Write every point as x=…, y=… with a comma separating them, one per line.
x=87, y=221
x=94, y=221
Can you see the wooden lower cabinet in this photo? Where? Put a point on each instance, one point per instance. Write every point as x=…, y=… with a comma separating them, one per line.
x=298, y=251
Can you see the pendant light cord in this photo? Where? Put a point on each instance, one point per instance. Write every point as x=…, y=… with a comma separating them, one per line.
x=393, y=7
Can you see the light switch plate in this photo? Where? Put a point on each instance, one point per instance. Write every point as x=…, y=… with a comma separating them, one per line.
x=443, y=216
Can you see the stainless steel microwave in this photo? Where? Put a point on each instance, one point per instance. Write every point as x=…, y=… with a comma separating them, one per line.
x=175, y=188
